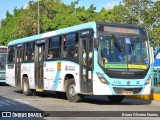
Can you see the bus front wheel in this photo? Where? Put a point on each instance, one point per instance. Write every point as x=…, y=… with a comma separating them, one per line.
x=71, y=93
x=116, y=98
x=26, y=90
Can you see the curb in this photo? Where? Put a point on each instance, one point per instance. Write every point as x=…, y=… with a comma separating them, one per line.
x=146, y=97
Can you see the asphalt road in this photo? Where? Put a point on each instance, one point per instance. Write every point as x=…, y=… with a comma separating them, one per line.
x=52, y=104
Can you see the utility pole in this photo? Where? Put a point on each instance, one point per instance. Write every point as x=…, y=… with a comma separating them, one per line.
x=38, y=20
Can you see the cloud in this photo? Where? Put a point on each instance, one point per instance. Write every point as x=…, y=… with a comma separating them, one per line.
x=110, y=6
x=26, y=6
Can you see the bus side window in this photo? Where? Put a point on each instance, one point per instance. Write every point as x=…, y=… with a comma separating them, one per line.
x=54, y=47
x=71, y=45
x=32, y=51
x=29, y=51
x=11, y=52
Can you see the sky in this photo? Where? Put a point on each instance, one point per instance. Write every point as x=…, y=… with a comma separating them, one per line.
x=9, y=5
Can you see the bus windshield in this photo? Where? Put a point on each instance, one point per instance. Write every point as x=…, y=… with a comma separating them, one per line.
x=123, y=52
x=2, y=61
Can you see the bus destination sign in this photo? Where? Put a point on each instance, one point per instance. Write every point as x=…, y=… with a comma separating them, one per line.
x=3, y=50
x=121, y=30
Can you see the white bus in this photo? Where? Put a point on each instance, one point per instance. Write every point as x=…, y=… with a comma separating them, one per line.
x=3, y=55
x=111, y=59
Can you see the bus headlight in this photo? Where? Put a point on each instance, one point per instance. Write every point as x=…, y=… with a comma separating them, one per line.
x=148, y=80
x=102, y=79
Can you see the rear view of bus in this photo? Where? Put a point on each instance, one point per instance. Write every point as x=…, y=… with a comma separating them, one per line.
x=3, y=53
x=123, y=61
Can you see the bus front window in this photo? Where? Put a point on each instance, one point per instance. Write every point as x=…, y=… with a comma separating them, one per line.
x=123, y=53
x=2, y=61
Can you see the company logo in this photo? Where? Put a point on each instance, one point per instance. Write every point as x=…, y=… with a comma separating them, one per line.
x=70, y=68
x=26, y=69
x=128, y=82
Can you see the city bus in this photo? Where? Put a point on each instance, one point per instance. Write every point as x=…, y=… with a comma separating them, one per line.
x=3, y=55
x=95, y=58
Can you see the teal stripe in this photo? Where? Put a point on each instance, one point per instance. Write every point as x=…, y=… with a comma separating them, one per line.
x=56, y=80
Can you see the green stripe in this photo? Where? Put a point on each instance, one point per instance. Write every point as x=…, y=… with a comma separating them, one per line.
x=115, y=65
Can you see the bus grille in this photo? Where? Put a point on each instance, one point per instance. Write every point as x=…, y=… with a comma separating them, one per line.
x=121, y=76
x=121, y=90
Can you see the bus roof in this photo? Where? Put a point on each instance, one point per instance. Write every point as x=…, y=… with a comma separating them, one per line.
x=69, y=30
x=54, y=33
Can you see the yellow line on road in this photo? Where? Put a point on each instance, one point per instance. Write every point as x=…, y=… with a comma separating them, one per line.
x=146, y=97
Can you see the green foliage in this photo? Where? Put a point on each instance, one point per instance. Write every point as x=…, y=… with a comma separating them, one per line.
x=27, y=22
x=145, y=13
x=114, y=15
x=7, y=30
x=54, y=14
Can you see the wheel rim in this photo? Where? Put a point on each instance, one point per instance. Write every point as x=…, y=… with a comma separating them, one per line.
x=25, y=87
x=72, y=91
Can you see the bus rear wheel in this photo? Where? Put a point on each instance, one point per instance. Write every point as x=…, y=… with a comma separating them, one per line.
x=26, y=90
x=116, y=98
x=71, y=93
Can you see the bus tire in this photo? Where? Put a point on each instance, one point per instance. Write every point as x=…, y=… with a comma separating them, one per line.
x=26, y=90
x=116, y=98
x=71, y=94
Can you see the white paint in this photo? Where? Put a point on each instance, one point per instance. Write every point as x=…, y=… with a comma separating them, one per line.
x=100, y=88
x=22, y=101
x=49, y=34
x=10, y=76
x=28, y=69
x=147, y=90
x=50, y=72
x=89, y=74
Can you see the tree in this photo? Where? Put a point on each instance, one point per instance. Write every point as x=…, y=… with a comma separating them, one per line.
x=7, y=30
x=54, y=14
x=145, y=13
x=27, y=22
x=117, y=14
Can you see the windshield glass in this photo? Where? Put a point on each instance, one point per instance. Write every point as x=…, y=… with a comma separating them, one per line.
x=122, y=53
x=2, y=61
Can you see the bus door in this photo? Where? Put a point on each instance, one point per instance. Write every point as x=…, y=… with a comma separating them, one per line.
x=18, y=61
x=40, y=48
x=86, y=63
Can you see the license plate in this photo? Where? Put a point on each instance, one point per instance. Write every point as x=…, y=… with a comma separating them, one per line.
x=127, y=93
